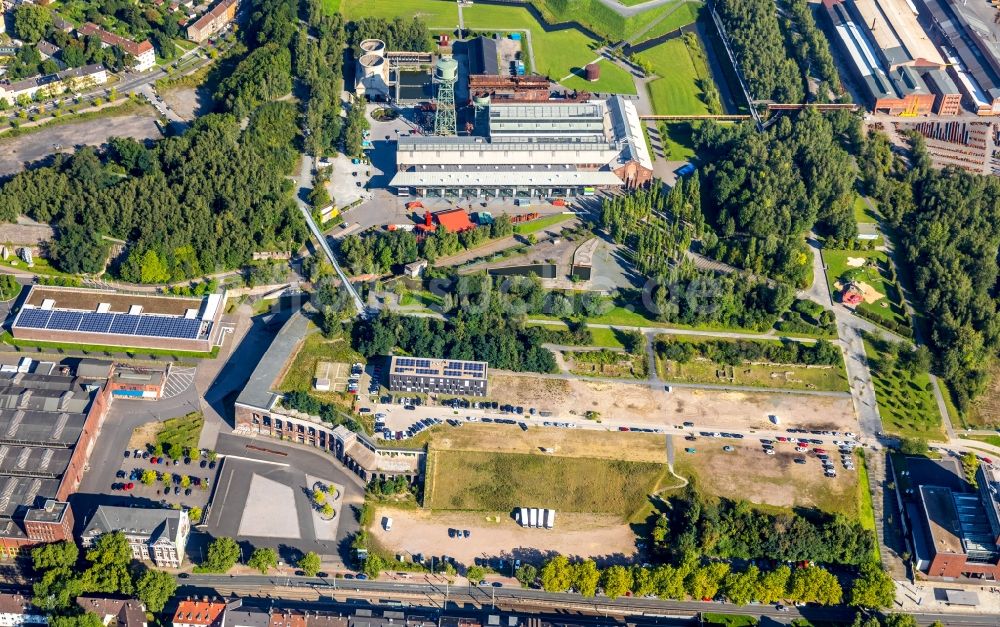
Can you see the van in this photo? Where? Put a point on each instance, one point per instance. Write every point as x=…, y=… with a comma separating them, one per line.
x=387, y=523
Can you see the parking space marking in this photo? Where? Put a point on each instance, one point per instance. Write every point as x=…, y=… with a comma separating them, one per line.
x=178, y=381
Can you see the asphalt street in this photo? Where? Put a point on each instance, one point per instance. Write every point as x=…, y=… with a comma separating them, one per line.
x=510, y=598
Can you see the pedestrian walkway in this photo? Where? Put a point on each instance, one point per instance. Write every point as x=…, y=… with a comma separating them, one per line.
x=889, y=547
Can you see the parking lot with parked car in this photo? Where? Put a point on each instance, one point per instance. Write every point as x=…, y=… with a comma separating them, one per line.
x=186, y=482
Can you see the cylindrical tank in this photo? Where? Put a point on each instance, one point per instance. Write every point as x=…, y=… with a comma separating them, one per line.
x=373, y=46
x=372, y=64
x=593, y=72
x=481, y=100
x=446, y=69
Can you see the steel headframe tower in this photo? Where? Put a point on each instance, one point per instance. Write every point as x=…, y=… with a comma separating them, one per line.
x=445, y=75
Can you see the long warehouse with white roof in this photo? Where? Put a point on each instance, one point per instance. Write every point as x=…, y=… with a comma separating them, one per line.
x=532, y=150
x=107, y=318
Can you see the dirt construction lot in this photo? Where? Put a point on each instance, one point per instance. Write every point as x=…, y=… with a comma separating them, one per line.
x=638, y=403
x=748, y=474
x=426, y=533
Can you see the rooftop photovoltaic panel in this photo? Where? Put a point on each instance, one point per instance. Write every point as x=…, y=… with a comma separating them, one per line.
x=124, y=324
x=65, y=320
x=117, y=324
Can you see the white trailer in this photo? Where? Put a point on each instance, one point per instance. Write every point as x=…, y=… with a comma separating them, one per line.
x=533, y=517
x=522, y=516
x=550, y=518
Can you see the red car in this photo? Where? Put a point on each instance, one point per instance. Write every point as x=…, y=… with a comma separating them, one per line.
x=819, y=451
x=623, y=428
x=129, y=485
x=781, y=438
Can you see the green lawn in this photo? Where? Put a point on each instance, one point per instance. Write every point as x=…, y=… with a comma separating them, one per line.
x=314, y=349
x=865, y=507
x=906, y=404
x=676, y=92
x=558, y=54
x=601, y=337
x=678, y=140
x=686, y=13
x=436, y=13
x=541, y=223
x=499, y=482
x=862, y=213
x=729, y=620
x=420, y=297
x=331, y=6
x=873, y=274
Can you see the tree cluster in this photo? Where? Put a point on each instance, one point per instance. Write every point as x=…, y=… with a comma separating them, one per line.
x=756, y=37
x=696, y=526
x=106, y=568
x=657, y=227
x=192, y=204
x=483, y=333
x=811, y=48
x=763, y=191
x=378, y=253
x=707, y=581
x=304, y=402
x=686, y=295
x=318, y=62
x=736, y=352
x=949, y=222
x=398, y=34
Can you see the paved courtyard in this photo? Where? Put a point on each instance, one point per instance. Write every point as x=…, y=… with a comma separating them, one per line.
x=264, y=493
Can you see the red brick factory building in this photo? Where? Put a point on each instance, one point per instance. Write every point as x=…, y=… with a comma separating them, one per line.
x=49, y=421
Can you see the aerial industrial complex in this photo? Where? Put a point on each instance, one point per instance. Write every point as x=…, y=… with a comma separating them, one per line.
x=918, y=58
x=541, y=149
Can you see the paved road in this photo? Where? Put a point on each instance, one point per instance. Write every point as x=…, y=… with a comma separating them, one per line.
x=508, y=598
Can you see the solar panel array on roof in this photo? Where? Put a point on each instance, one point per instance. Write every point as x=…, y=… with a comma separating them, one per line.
x=118, y=324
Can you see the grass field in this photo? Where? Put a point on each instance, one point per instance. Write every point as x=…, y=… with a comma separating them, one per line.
x=874, y=274
x=862, y=213
x=792, y=376
x=681, y=66
x=538, y=224
x=299, y=375
x=601, y=336
x=685, y=13
x=497, y=482
x=678, y=142
x=181, y=433
x=906, y=404
x=558, y=54
x=436, y=13
x=422, y=298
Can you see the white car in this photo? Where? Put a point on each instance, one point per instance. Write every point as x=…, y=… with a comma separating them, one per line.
x=472, y=419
